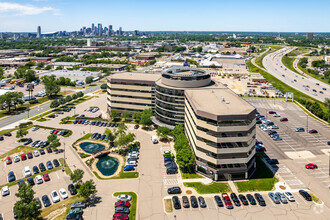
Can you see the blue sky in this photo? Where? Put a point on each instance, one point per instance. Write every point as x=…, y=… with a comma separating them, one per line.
x=169, y=15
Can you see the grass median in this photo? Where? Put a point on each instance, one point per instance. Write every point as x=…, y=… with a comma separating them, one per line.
x=168, y=205
x=213, y=188
x=132, y=214
x=288, y=63
x=191, y=176
x=262, y=180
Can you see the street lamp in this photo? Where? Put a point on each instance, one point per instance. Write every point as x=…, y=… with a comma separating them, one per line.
x=307, y=125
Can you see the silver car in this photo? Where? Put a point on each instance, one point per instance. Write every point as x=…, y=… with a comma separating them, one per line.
x=282, y=198
x=289, y=196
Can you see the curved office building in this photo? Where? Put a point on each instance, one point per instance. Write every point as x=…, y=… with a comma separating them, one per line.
x=169, y=92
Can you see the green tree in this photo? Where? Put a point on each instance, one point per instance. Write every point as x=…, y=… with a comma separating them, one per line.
x=55, y=144
x=48, y=67
x=89, y=79
x=68, y=98
x=122, y=128
x=50, y=85
x=137, y=116
x=30, y=76
x=21, y=132
x=80, y=94
x=177, y=130
x=125, y=115
x=114, y=114
x=163, y=132
x=87, y=190
x=74, y=96
x=104, y=86
x=54, y=104
x=125, y=139
x=51, y=137
x=111, y=136
x=2, y=73
x=76, y=176
x=10, y=99
x=65, y=119
x=146, y=117
x=59, y=68
x=26, y=207
x=41, y=64
x=62, y=101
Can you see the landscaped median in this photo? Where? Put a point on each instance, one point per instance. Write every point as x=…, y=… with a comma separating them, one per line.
x=168, y=205
x=263, y=179
x=213, y=188
x=132, y=214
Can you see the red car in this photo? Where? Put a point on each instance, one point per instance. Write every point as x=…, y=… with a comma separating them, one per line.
x=257, y=118
x=227, y=201
x=311, y=166
x=284, y=119
x=79, y=121
x=122, y=203
x=46, y=177
x=117, y=216
x=8, y=160
x=271, y=112
x=313, y=131
x=23, y=157
x=55, y=132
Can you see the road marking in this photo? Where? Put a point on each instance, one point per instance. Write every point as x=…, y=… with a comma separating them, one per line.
x=57, y=175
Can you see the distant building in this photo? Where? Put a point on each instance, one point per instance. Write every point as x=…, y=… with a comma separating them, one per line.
x=99, y=29
x=327, y=59
x=39, y=32
x=41, y=59
x=89, y=42
x=74, y=75
x=309, y=36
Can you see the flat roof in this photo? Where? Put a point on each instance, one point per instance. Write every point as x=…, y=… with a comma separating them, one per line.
x=135, y=76
x=216, y=102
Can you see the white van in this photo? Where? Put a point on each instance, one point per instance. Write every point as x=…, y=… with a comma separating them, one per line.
x=154, y=139
x=27, y=171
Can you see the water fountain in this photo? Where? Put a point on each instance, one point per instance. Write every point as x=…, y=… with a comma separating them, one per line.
x=91, y=148
x=107, y=165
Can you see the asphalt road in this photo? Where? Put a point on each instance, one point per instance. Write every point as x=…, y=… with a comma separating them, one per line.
x=36, y=110
x=273, y=64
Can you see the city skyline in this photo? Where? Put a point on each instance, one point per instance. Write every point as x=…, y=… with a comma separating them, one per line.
x=146, y=15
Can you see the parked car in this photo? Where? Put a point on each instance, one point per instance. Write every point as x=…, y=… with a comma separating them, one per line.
x=16, y=158
x=174, y=190
x=124, y=197
x=46, y=177
x=42, y=152
x=136, y=126
x=45, y=200
x=56, y=163
x=281, y=197
x=121, y=216
x=27, y=172
x=284, y=119
x=243, y=199
x=49, y=150
x=36, y=153
x=8, y=160
x=289, y=196
x=129, y=168
x=202, y=202
x=274, y=198
x=49, y=165
x=235, y=199
x=38, y=179
x=7, y=134
x=313, y=131
x=122, y=203
x=122, y=209
x=29, y=155
x=63, y=193
x=218, y=201
x=39, y=202
x=30, y=181
x=193, y=201
x=20, y=183
x=260, y=199
x=305, y=194
x=23, y=157
x=185, y=202
x=35, y=170
x=42, y=167
x=311, y=166
x=55, y=196
x=176, y=202
x=226, y=199
x=5, y=191
x=251, y=199
x=72, y=189
x=300, y=129
x=78, y=205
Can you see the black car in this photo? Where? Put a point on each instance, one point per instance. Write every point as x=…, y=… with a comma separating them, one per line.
x=44, y=144
x=28, y=141
x=185, y=202
x=20, y=183
x=260, y=199
x=176, y=202
x=74, y=216
x=122, y=209
x=202, y=202
x=102, y=137
x=56, y=163
x=93, y=135
x=8, y=134
x=11, y=176
x=193, y=202
x=72, y=189
x=49, y=150
x=251, y=200
x=29, y=155
x=305, y=194
x=243, y=199
x=38, y=200
x=235, y=199
x=45, y=200
x=30, y=181
x=218, y=201
x=42, y=167
x=174, y=190
x=171, y=171
x=42, y=152
x=15, y=215
x=35, y=169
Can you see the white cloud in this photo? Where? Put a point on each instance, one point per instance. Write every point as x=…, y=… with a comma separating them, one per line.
x=19, y=9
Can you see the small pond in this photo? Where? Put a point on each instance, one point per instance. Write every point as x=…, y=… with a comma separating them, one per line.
x=107, y=165
x=91, y=148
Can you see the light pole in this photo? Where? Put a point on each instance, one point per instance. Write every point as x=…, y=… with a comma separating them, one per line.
x=307, y=125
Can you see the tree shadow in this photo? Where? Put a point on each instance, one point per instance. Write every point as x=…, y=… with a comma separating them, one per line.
x=94, y=201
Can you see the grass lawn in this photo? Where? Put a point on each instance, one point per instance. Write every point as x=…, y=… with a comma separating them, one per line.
x=122, y=175
x=18, y=150
x=191, y=176
x=168, y=205
x=262, y=180
x=318, y=77
x=213, y=188
x=132, y=214
x=55, y=206
x=288, y=63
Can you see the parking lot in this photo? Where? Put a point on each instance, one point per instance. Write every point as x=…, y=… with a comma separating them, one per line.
x=300, y=209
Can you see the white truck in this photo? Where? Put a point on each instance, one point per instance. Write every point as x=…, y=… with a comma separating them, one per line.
x=154, y=139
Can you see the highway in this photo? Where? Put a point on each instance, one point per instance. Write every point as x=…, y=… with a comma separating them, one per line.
x=308, y=85
x=37, y=110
